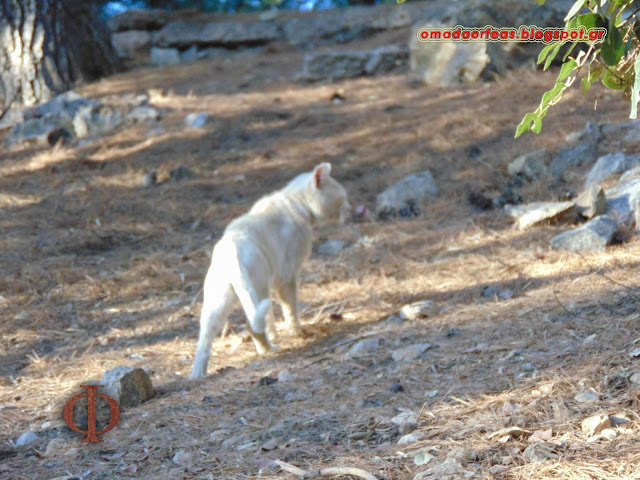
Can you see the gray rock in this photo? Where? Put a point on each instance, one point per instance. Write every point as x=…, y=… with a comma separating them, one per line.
x=445, y=64
x=234, y=34
x=532, y=213
x=139, y=20
x=197, y=120
x=578, y=156
x=164, y=56
x=609, y=165
x=630, y=174
x=128, y=386
x=410, y=352
x=593, y=236
x=411, y=438
x=149, y=179
x=405, y=418
x=143, y=114
x=131, y=43
x=363, y=347
x=324, y=65
x=531, y=165
x=592, y=202
x=623, y=201
x=330, y=248
x=417, y=310
x=95, y=119
x=179, y=34
x=635, y=379
x=387, y=59
x=587, y=397
x=26, y=438
x=189, y=55
x=413, y=189
x=181, y=173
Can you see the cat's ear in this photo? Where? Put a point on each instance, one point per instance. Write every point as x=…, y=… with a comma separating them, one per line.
x=321, y=174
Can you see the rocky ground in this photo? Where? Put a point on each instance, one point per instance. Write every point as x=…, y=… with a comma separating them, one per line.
x=524, y=367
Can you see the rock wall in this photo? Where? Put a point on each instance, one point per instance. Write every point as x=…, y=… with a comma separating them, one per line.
x=161, y=37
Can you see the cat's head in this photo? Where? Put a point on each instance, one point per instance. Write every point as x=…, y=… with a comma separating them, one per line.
x=326, y=198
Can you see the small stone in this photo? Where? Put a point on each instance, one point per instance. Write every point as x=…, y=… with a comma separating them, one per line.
x=330, y=248
x=197, y=120
x=128, y=386
x=182, y=457
x=635, y=379
x=527, y=367
x=26, y=438
x=181, y=173
x=422, y=458
x=498, y=469
x=149, y=179
x=286, y=376
x=396, y=387
x=618, y=419
x=404, y=418
x=416, y=310
x=411, y=438
x=595, y=424
x=587, y=397
x=165, y=56
x=531, y=165
x=143, y=114
x=430, y=393
x=591, y=202
x=266, y=381
x=635, y=353
x=413, y=190
x=363, y=347
x=410, y=352
x=394, y=320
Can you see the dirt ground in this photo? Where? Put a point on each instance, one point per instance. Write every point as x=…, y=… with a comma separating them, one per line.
x=99, y=271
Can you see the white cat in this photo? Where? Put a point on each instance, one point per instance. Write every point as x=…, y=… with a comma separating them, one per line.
x=262, y=251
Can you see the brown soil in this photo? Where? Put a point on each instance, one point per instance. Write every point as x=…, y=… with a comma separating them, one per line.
x=98, y=271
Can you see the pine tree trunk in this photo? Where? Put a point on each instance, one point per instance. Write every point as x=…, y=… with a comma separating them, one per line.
x=47, y=46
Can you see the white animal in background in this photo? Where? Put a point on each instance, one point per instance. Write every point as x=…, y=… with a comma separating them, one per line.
x=263, y=251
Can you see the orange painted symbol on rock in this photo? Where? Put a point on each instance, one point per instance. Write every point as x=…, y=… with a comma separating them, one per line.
x=92, y=434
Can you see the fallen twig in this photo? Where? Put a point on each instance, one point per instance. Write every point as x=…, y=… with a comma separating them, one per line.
x=325, y=472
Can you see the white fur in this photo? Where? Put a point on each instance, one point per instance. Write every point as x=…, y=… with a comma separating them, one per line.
x=263, y=251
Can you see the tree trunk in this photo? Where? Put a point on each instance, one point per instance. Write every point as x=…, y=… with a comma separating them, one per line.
x=47, y=46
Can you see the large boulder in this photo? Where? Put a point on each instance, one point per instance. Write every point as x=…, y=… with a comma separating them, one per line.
x=234, y=34
x=325, y=65
x=532, y=213
x=131, y=43
x=593, y=236
x=609, y=165
x=139, y=20
x=445, y=64
x=623, y=201
x=165, y=56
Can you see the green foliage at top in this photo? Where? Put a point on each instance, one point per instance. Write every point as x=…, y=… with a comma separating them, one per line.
x=614, y=62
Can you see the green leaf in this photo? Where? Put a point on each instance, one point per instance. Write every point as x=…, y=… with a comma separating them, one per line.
x=544, y=52
x=612, y=81
x=567, y=67
x=588, y=20
x=612, y=47
x=585, y=85
x=527, y=123
x=541, y=2
x=635, y=90
x=552, y=55
x=564, y=58
x=574, y=9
